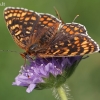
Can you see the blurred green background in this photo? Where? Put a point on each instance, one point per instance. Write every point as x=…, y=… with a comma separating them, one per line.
x=85, y=81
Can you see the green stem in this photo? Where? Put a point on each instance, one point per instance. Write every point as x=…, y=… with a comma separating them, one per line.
x=62, y=93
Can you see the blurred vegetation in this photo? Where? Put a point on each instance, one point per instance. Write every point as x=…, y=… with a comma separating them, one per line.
x=85, y=81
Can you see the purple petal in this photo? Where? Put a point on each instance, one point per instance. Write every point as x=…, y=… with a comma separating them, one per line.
x=40, y=69
x=30, y=88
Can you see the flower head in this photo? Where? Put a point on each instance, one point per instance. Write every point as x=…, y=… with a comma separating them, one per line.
x=46, y=72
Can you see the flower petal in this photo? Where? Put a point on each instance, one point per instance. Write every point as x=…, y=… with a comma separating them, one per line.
x=30, y=88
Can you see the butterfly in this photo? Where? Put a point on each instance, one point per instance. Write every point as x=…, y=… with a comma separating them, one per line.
x=44, y=35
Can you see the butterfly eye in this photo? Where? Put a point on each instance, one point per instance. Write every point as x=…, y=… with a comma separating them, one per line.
x=33, y=47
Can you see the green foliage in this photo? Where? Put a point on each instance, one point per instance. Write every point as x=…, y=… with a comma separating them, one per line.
x=84, y=83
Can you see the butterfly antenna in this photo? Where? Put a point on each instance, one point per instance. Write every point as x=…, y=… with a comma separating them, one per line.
x=57, y=14
x=75, y=18
x=9, y=51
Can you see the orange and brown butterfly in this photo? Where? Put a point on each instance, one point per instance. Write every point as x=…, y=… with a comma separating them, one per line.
x=44, y=35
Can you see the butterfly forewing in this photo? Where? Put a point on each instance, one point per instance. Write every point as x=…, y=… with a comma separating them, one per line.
x=67, y=44
x=20, y=23
x=28, y=27
x=73, y=28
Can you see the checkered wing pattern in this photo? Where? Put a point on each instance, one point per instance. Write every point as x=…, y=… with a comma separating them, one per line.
x=44, y=35
x=28, y=27
x=73, y=29
x=71, y=40
x=75, y=45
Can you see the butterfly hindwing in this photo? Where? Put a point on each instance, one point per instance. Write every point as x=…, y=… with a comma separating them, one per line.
x=74, y=46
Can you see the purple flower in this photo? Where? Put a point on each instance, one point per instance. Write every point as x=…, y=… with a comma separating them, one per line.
x=46, y=72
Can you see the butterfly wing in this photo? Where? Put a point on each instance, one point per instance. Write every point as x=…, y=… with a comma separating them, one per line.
x=20, y=23
x=27, y=27
x=73, y=28
x=67, y=44
x=46, y=29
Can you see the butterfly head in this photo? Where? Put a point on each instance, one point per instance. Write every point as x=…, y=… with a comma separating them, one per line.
x=31, y=51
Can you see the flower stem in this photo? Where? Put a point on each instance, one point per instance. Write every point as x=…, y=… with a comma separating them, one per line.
x=62, y=93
